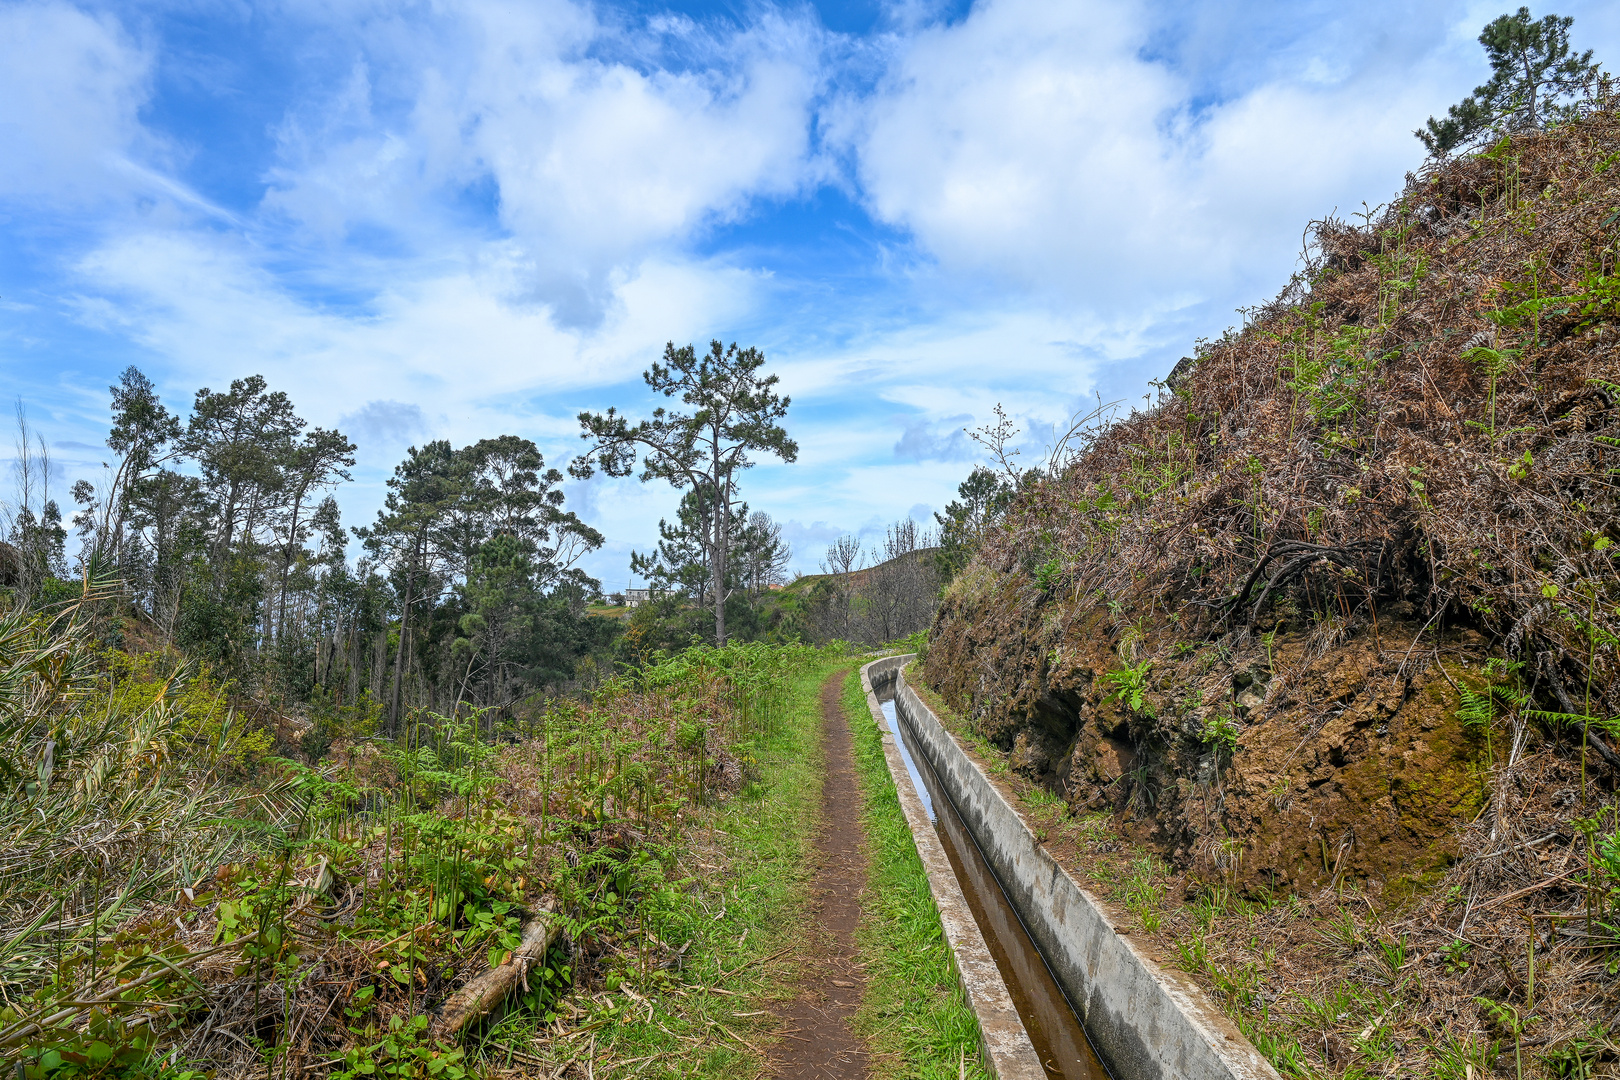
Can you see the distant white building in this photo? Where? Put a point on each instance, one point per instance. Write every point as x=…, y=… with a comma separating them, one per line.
x=636, y=597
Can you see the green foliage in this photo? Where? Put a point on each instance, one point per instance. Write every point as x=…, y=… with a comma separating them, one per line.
x=1329, y=371
x=1144, y=891
x=981, y=500
x=1129, y=685
x=1510, y=1020
x=1454, y=955
x=1504, y=693
x=1597, y=299
x=1465, y=1058
x=1532, y=68
x=1220, y=732
x=1048, y=573
x=404, y=1051
x=1578, y=1058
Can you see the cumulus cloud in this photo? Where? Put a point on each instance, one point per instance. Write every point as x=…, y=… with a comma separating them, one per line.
x=446, y=335
x=596, y=162
x=1047, y=145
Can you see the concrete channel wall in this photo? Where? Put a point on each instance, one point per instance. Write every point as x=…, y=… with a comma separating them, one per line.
x=1008, y=1052
x=1145, y=1022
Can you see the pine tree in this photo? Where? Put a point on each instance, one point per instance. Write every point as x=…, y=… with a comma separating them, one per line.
x=1531, y=70
x=735, y=410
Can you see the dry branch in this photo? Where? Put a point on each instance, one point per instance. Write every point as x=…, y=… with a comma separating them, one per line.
x=479, y=997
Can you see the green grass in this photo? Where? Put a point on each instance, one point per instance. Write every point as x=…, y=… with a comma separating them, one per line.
x=738, y=920
x=914, y=1015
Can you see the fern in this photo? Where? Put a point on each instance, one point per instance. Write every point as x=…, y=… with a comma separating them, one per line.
x=1608, y=725
x=1480, y=708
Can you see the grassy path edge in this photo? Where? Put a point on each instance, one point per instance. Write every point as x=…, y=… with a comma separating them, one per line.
x=915, y=1016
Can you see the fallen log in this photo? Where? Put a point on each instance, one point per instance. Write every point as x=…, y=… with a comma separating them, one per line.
x=483, y=994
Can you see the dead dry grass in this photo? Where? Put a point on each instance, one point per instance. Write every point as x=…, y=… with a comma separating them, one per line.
x=1249, y=622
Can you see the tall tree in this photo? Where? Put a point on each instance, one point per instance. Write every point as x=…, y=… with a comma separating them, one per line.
x=409, y=536
x=317, y=461
x=145, y=436
x=519, y=549
x=734, y=411
x=485, y=528
x=1531, y=69
x=241, y=441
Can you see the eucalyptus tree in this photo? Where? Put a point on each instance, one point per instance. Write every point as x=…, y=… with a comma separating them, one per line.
x=143, y=516
x=144, y=439
x=732, y=411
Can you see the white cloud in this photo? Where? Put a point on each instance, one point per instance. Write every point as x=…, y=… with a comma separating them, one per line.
x=453, y=340
x=597, y=163
x=1039, y=143
x=71, y=86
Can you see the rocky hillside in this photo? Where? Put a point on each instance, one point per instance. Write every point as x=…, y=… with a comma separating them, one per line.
x=1313, y=613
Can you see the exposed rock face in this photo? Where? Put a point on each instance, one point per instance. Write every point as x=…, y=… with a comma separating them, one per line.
x=1280, y=766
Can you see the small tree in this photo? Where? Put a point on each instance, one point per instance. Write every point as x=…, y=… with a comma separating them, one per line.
x=734, y=411
x=1531, y=68
x=985, y=495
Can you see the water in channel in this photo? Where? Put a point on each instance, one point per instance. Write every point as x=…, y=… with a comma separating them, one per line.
x=1054, y=1029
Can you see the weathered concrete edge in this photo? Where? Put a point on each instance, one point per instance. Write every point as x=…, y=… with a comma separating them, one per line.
x=1146, y=1023
x=1007, y=1050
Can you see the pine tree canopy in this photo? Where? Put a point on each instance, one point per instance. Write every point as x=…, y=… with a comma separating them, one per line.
x=1532, y=73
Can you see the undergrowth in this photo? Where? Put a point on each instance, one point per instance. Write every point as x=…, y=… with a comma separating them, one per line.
x=180, y=901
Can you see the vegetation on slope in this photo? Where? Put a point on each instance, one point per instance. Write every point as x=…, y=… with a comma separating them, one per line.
x=1340, y=613
x=178, y=899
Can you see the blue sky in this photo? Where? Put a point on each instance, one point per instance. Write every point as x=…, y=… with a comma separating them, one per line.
x=460, y=219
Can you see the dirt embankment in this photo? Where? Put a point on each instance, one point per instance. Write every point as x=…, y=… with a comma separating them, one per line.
x=1295, y=624
x=1343, y=758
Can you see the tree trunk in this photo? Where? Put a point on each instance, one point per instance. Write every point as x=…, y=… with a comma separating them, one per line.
x=722, y=530
x=286, y=562
x=399, y=655
x=1530, y=79
x=479, y=997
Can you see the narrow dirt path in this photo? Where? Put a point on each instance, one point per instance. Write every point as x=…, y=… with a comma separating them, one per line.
x=817, y=1041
